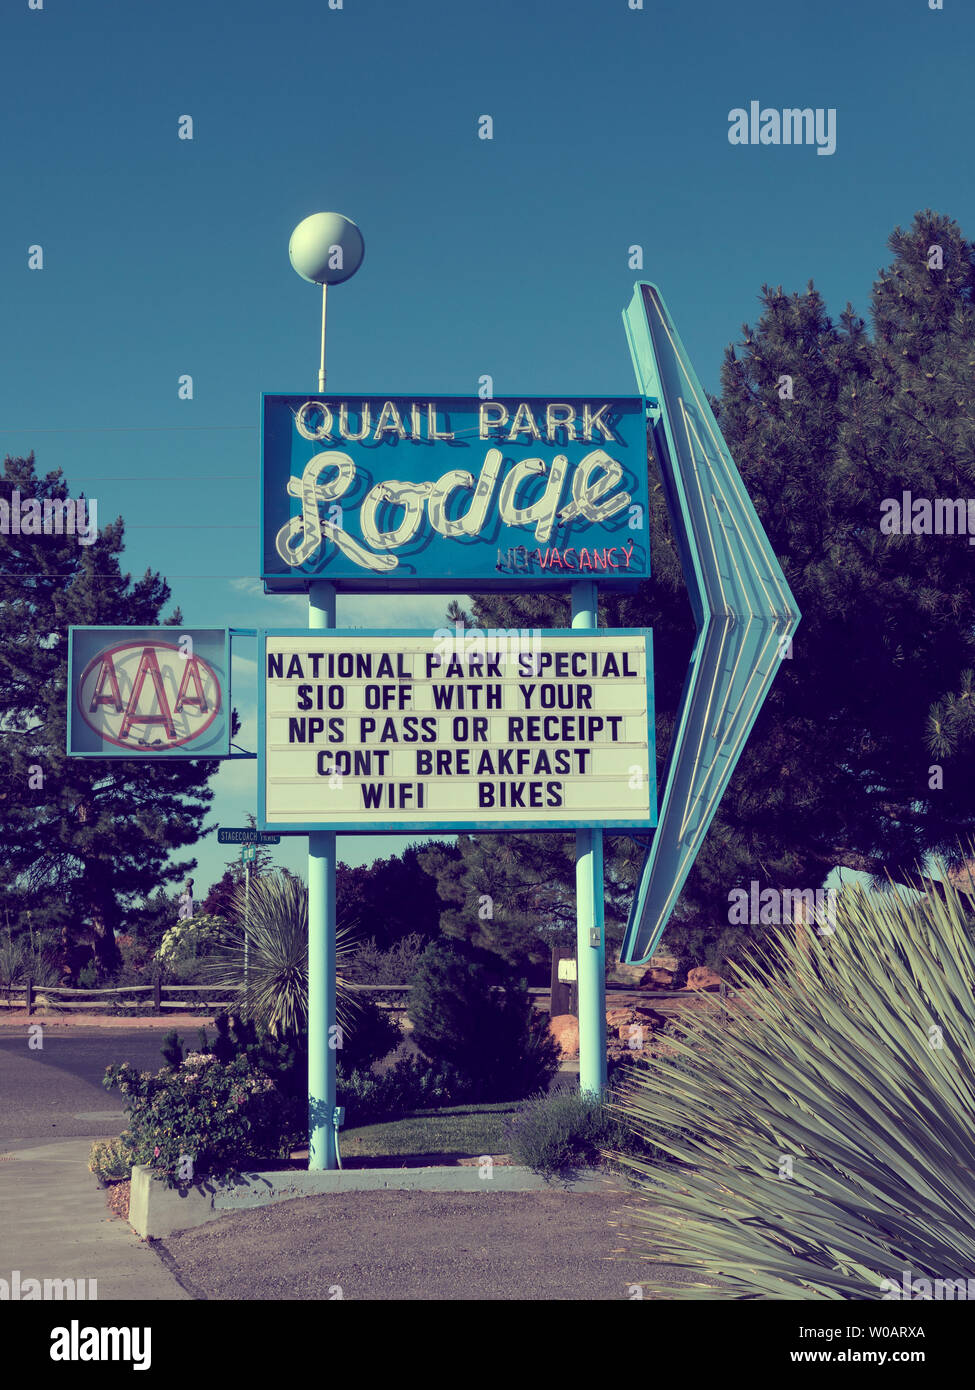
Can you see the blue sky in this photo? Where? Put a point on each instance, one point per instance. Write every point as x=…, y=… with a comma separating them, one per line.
x=506, y=256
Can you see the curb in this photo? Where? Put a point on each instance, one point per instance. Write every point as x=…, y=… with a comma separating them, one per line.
x=156, y=1210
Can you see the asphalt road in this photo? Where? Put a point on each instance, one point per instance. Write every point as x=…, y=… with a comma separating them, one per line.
x=55, y=1092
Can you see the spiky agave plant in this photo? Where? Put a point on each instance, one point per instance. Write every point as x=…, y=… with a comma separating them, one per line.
x=265, y=943
x=822, y=1131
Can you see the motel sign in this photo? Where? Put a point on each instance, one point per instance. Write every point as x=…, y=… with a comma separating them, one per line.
x=396, y=731
x=445, y=493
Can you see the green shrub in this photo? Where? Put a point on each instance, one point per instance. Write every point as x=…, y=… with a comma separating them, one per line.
x=410, y=1084
x=397, y=965
x=191, y=970
x=206, y=1116
x=172, y=1048
x=369, y=1037
x=112, y=1160
x=20, y=961
x=284, y=1059
x=684, y=965
x=187, y=940
x=494, y=1039
x=558, y=1133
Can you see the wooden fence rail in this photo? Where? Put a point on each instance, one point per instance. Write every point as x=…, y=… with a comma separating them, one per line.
x=222, y=994
x=27, y=996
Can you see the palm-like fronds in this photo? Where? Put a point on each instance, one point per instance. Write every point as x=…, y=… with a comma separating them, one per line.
x=849, y=1054
x=269, y=948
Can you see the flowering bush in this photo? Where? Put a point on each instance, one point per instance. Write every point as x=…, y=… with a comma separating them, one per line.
x=205, y=1117
x=111, y=1160
x=187, y=937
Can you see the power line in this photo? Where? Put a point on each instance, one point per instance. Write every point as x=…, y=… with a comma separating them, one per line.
x=105, y=574
x=115, y=429
x=156, y=477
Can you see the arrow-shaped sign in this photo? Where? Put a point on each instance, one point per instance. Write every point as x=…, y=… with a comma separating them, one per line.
x=743, y=608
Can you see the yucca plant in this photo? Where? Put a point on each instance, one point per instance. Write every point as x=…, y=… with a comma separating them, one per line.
x=821, y=1131
x=18, y=961
x=262, y=954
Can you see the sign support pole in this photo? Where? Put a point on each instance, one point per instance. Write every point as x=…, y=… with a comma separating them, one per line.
x=247, y=938
x=590, y=935
x=321, y=952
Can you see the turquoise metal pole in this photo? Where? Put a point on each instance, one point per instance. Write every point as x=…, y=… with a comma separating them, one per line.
x=321, y=952
x=247, y=938
x=590, y=934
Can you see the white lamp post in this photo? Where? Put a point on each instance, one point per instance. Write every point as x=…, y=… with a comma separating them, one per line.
x=326, y=249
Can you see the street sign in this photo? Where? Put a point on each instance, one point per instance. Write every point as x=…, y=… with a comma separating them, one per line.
x=244, y=835
x=442, y=493
x=393, y=731
x=148, y=692
x=248, y=853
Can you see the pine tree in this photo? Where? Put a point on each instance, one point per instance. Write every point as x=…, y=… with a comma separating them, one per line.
x=515, y=895
x=502, y=1048
x=864, y=753
x=83, y=838
x=391, y=898
x=885, y=648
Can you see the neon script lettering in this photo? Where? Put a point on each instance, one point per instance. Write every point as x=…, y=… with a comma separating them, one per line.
x=591, y=499
x=614, y=558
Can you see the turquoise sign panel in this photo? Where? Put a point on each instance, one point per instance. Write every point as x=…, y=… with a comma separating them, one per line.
x=449, y=493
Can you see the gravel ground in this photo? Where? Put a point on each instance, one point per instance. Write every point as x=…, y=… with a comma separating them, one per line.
x=413, y=1246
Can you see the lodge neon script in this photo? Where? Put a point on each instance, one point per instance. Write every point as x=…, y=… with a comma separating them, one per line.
x=595, y=476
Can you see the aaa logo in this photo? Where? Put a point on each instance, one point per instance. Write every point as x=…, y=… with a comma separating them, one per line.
x=148, y=695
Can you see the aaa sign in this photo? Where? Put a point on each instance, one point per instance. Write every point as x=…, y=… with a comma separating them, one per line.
x=148, y=692
x=408, y=731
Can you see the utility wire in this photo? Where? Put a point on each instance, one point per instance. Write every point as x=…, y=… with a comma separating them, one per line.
x=114, y=429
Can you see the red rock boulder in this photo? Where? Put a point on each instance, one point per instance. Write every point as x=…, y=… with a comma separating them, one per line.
x=656, y=978
x=565, y=1030
x=703, y=978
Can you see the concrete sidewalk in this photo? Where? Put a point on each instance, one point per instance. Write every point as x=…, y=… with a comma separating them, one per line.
x=55, y=1224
